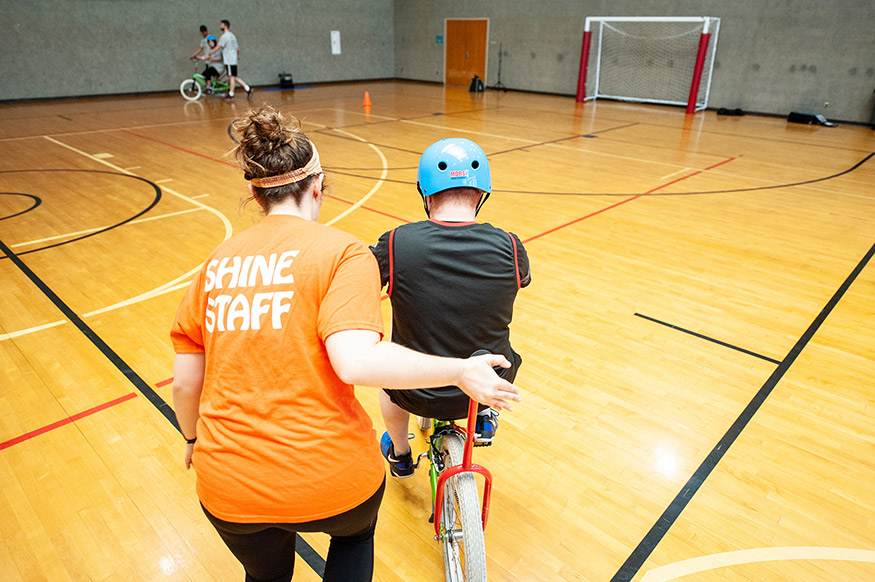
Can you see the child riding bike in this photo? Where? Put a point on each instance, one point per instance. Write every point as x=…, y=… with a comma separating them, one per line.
x=452, y=283
x=215, y=68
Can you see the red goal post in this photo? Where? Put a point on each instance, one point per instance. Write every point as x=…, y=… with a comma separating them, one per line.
x=651, y=59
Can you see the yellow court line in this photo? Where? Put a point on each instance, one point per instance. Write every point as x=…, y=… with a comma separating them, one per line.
x=181, y=281
x=6, y=336
x=168, y=287
x=376, y=186
x=674, y=173
x=90, y=230
x=726, y=559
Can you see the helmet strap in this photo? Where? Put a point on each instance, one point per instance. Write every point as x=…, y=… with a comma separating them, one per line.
x=424, y=204
x=481, y=203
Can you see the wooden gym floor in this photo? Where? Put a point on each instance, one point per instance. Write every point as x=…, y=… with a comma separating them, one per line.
x=698, y=338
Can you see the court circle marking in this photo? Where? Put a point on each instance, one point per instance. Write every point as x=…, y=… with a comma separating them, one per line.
x=37, y=201
x=154, y=202
x=753, y=555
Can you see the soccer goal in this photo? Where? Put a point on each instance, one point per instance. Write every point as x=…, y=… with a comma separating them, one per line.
x=667, y=60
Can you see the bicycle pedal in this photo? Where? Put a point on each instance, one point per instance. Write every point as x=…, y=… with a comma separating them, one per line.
x=476, y=444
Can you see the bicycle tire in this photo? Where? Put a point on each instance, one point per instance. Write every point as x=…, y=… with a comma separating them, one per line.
x=190, y=90
x=461, y=520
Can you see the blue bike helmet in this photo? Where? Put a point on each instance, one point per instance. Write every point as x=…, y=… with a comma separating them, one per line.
x=453, y=163
x=211, y=38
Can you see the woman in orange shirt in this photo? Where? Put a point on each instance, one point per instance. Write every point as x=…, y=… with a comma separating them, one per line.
x=281, y=322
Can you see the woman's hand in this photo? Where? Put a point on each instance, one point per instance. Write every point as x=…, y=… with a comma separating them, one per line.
x=189, y=451
x=359, y=357
x=479, y=381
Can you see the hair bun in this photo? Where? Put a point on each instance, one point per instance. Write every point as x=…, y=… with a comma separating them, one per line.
x=269, y=143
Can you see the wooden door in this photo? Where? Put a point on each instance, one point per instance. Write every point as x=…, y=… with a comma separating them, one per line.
x=465, y=51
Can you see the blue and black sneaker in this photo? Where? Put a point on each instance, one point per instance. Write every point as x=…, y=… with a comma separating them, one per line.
x=487, y=424
x=400, y=466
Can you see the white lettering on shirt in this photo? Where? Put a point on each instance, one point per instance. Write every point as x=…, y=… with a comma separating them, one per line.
x=285, y=262
x=210, y=275
x=235, y=311
x=261, y=266
x=278, y=308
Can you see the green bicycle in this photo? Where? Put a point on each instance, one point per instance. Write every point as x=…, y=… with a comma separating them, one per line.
x=459, y=518
x=193, y=88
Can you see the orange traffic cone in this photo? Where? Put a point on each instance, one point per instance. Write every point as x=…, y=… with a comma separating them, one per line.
x=367, y=101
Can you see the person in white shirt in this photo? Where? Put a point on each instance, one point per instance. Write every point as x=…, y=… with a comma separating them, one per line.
x=203, y=47
x=230, y=49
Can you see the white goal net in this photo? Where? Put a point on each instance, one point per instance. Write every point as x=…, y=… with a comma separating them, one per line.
x=654, y=60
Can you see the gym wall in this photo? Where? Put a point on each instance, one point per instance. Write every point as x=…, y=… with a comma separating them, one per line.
x=65, y=48
x=772, y=57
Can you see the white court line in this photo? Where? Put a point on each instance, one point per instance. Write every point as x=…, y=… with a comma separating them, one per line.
x=161, y=289
x=376, y=186
x=605, y=154
x=90, y=230
x=681, y=171
x=199, y=196
x=538, y=143
x=726, y=559
x=368, y=115
x=165, y=180
x=13, y=334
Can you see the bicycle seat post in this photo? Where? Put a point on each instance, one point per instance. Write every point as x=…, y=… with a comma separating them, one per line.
x=469, y=438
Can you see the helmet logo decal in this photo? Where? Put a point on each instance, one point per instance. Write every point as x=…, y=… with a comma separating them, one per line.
x=458, y=174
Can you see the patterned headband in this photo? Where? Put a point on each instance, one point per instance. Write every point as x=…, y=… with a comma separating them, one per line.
x=313, y=167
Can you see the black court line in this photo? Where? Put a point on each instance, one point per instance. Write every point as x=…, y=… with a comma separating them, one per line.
x=152, y=204
x=345, y=172
x=89, y=333
x=701, y=192
x=307, y=553
x=36, y=202
x=642, y=552
x=710, y=339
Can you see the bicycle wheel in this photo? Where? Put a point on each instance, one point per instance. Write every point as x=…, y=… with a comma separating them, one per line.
x=461, y=524
x=190, y=89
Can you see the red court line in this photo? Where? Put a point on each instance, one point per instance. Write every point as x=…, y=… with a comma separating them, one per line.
x=575, y=221
x=368, y=208
x=582, y=218
x=719, y=164
x=164, y=382
x=170, y=145
x=235, y=165
x=68, y=420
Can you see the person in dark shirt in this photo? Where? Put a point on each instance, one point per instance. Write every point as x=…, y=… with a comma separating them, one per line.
x=452, y=282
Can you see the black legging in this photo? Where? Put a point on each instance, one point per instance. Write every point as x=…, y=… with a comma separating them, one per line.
x=267, y=550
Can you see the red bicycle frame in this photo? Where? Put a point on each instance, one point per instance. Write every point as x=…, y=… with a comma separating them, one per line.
x=466, y=466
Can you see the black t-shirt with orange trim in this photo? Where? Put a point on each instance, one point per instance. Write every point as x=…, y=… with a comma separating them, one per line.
x=452, y=285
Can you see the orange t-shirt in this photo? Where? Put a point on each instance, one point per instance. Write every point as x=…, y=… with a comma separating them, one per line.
x=280, y=437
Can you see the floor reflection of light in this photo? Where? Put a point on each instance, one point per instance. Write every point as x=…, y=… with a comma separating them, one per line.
x=167, y=564
x=666, y=462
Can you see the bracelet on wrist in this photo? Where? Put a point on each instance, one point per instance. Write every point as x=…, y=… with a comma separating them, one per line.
x=190, y=441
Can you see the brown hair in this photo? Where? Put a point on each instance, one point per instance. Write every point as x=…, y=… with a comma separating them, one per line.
x=270, y=145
